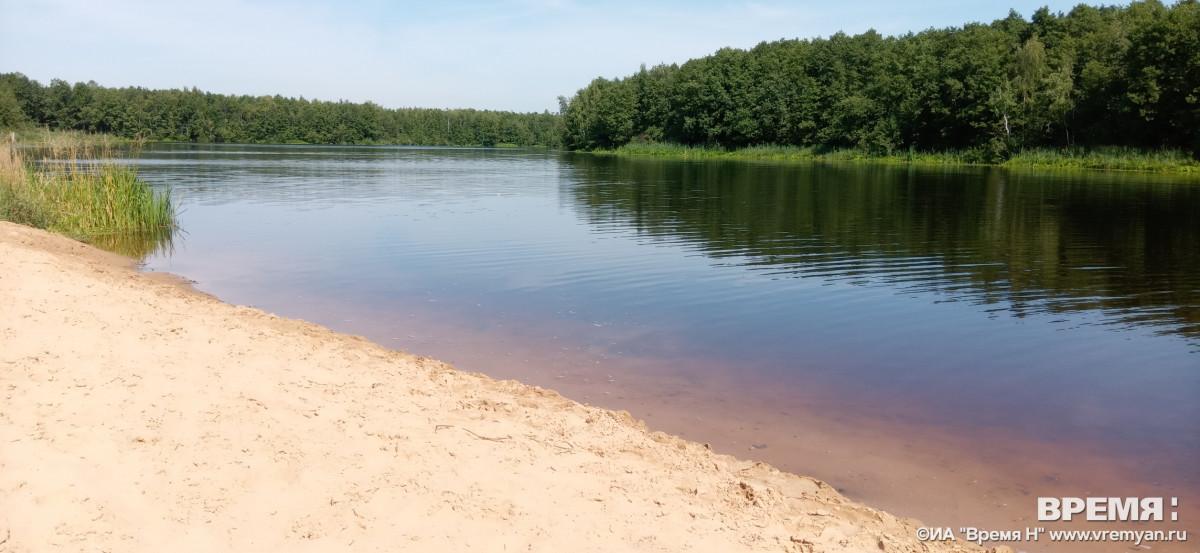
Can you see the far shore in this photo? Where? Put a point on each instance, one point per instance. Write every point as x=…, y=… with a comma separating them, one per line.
x=1098, y=159
x=1167, y=162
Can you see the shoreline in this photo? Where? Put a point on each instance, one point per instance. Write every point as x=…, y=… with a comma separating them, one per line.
x=141, y=415
x=945, y=475
x=1166, y=162
x=1103, y=158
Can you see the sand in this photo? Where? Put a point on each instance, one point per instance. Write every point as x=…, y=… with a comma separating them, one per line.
x=140, y=415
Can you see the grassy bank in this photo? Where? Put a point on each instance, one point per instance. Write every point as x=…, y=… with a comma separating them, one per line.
x=79, y=188
x=1112, y=159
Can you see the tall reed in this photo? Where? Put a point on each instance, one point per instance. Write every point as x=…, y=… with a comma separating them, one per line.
x=88, y=193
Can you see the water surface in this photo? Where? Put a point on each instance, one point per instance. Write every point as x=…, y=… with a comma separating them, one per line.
x=1062, y=309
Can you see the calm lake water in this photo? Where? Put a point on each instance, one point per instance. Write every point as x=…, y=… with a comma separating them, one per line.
x=1057, y=308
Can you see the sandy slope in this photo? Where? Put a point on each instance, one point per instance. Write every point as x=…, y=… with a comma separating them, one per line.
x=140, y=416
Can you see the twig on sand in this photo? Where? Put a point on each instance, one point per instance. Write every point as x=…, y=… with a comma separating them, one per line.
x=570, y=446
x=561, y=449
x=501, y=439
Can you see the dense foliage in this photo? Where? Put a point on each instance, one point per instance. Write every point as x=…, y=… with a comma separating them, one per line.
x=1124, y=76
x=196, y=116
x=1115, y=76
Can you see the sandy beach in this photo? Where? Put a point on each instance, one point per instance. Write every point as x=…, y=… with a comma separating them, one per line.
x=140, y=415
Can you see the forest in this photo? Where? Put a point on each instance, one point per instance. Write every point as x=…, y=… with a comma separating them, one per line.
x=1097, y=76
x=196, y=116
x=1123, y=76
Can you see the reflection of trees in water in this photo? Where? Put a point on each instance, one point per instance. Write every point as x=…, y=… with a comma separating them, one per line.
x=137, y=245
x=1030, y=243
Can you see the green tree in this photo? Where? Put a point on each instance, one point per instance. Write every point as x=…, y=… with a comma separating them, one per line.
x=600, y=116
x=11, y=115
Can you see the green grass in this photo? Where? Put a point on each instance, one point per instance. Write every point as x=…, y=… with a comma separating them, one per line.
x=85, y=193
x=1111, y=159
x=786, y=153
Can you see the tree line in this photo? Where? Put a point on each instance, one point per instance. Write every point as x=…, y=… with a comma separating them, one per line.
x=197, y=116
x=1096, y=76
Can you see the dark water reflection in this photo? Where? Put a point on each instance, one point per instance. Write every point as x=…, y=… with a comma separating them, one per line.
x=1126, y=245
x=136, y=244
x=1078, y=295
x=1064, y=307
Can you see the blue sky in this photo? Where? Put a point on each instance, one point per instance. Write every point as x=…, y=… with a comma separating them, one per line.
x=516, y=55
